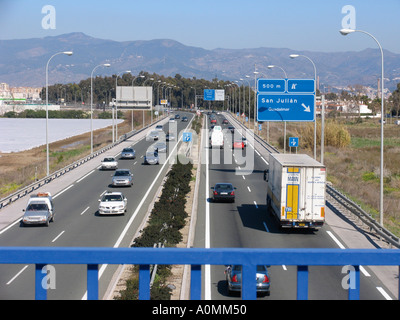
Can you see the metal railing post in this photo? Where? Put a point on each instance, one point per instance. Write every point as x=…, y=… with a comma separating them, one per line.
x=302, y=282
x=92, y=282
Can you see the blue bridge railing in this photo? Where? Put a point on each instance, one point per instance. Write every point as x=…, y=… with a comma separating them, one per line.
x=196, y=257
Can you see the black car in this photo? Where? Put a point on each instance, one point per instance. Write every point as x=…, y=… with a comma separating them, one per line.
x=232, y=129
x=184, y=119
x=224, y=192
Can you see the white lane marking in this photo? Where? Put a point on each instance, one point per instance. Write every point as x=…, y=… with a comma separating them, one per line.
x=86, y=175
x=341, y=246
x=336, y=240
x=255, y=203
x=10, y=226
x=248, y=188
x=58, y=236
x=85, y=210
x=207, y=267
x=284, y=267
x=265, y=226
x=383, y=292
x=15, y=277
x=61, y=192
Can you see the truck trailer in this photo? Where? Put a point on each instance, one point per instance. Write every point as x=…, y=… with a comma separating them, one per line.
x=296, y=190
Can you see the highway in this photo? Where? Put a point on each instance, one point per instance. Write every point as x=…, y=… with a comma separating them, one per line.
x=247, y=224
x=77, y=224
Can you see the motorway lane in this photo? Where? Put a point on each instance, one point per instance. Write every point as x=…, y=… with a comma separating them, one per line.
x=78, y=224
x=247, y=224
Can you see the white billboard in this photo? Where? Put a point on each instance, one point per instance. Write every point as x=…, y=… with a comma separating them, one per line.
x=219, y=95
x=134, y=98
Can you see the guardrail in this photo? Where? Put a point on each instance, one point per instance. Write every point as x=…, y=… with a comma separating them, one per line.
x=344, y=201
x=196, y=257
x=366, y=218
x=39, y=183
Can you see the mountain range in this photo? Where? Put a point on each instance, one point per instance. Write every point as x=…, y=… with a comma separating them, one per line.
x=23, y=62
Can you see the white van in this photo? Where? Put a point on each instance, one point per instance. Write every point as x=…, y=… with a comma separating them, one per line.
x=217, y=139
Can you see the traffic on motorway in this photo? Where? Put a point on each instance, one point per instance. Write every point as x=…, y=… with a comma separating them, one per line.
x=233, y=212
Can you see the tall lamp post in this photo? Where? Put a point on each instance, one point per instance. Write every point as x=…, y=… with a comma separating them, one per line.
x=68, y=53
x=315, y=106
x=91, y=104
x=346, y=32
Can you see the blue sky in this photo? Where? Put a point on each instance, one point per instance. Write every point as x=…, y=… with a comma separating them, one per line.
x=299, y=25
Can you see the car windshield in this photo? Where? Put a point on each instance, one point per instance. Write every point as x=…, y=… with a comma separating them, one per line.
x=108, y=159
x=122, y=173
x=37, y=207
x=127, y=150
x=111, y=197
x=151, y=154
x=223, y=186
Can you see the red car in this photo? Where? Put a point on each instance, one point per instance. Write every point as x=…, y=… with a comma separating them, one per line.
x=238, y=144
x=214, y=120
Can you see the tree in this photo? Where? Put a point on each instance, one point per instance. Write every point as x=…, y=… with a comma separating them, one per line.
x=394, y=100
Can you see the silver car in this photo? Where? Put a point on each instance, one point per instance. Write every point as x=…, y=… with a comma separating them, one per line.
x=151, y=157
x=153, y=135
x=233, y=275
x=160, y=147
x=109, y=163
x=37, y=212
x=122, y=177
x=128, y=153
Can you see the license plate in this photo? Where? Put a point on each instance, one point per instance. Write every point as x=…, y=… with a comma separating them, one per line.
x=224, y=193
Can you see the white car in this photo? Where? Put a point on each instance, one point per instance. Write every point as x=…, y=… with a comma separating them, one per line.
x=159, y=127
x=113, y=203
x=109, y=163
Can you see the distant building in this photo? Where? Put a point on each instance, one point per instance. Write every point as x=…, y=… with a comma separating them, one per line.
x=8, y=93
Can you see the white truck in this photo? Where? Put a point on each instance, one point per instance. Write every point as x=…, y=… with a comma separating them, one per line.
x=217, y=139
x=296, y=190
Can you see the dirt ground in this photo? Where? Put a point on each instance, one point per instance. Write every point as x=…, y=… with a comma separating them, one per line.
x=19, y=169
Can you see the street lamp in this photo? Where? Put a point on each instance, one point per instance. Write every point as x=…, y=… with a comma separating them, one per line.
x=293, y=56
x=91, y=103
x=346, y=32
x=68, y=53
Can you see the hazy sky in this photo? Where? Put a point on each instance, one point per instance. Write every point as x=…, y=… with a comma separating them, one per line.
x=296, y=24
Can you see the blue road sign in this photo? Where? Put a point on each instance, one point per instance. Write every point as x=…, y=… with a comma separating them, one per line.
x=271, y=85
x=209, y=95
x=293, y=142
x=285, y=100
x=300, y=85
x=186, y=136
x=285, y=107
